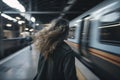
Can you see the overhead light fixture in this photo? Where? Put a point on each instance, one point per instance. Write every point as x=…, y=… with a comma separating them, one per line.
x=31, y=30
x=21, y=22
x=8, y=25
x=18, y=18
x=15, y=4
x=37, y=24
x=18, y=6
x=33, y=19
x=26, y=28
x=8, y=17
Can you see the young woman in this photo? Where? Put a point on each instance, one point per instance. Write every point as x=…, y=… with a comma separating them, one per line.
x=56, y=61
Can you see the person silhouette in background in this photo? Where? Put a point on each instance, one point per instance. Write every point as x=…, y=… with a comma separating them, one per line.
x=56, y=60
x=29, y=41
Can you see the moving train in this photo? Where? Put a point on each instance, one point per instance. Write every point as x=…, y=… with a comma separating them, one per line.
x=12, y=45
x=95, y=36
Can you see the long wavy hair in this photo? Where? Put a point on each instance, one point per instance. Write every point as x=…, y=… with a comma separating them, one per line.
x=53, y=35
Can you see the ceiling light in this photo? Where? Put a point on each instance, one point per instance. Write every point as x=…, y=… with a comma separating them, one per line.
x=8, y=25
x=21, y=22
x=26, y=28
x=8, y=17
x=32, y=19
x=18, y=18
x=31, y=30
x=15, y=4
x=37, y=24
x=18, y=6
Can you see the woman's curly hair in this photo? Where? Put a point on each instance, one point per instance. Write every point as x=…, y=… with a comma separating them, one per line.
x=48, y=38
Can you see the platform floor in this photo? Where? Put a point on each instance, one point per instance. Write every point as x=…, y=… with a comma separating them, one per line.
x=20, y=66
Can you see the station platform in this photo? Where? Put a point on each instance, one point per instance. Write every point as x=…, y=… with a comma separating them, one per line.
x=22, y=65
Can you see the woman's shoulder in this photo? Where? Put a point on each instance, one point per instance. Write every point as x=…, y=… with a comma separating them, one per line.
x=63, y=52
x=65, y=48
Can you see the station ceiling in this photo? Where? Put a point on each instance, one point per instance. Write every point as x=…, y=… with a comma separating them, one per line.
x=46, y=10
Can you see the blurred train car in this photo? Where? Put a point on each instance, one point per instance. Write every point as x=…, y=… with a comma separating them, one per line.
x=12, y=45
x=95, y=36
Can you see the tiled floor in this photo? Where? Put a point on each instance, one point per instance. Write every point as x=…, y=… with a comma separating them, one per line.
x=20, y=66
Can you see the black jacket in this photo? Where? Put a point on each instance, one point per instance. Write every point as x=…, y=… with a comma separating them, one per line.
x=59, y=66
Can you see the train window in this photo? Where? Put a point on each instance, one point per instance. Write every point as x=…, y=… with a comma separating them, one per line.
x=110, y=28
x=72, y=32
x=110, y=18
